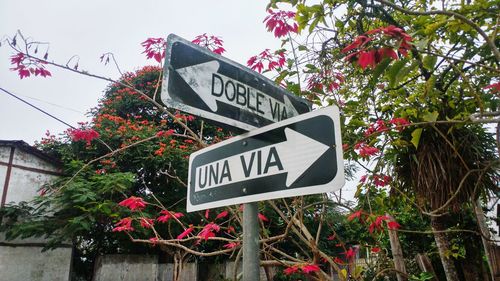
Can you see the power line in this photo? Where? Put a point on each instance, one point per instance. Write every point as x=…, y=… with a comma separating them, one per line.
x=35, y=107
x=53, y=104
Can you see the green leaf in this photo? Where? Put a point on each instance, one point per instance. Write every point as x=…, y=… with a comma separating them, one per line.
x=429, y=62
x=415, y=137
x=430, y=116
x=392, y=73
x=379, y=70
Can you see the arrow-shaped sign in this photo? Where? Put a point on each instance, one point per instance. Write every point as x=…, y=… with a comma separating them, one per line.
x=298, y=156
x=213, y=87
x=208, y=85
x=284, y=157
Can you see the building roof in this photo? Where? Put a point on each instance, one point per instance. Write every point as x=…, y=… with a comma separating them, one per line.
x=22, y=145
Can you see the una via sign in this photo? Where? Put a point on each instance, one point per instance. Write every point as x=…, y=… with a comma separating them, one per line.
x=298, y=156
x=206, y=84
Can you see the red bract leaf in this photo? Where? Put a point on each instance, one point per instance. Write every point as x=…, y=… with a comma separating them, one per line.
x=387, y=53
x=165, y=133
x=207, y=211
x=185, y=232
x=262, y=217
x=279, y=22
x=223, y=214
x=495, y=87
x=375, y=250
x=360, y=41
x=349, y=253
x=393, y=225
x=168, y=215
x=212, y=43
x=153, y=240
x=124, y=224
x=354, y=215
x=207, y=231
x=133, y=203
x=310, y=268
x=367, y=59
x=331, y=237
x=83, y=134
x=337, y=260
x=154, y=48
x=231, y=245
x=291, y=270
x=147, y=223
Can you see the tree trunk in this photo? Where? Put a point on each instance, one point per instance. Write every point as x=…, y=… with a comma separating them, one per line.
x=424, y=263
x=397, y=255
x=487, y=245
x=443, y=248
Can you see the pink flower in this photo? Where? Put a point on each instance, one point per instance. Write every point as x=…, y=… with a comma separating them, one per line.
x=133, y=203
x=349, y=253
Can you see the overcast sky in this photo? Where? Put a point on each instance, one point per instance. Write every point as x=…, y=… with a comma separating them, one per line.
x=90, y=28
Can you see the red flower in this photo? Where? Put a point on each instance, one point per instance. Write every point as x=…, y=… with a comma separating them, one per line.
x=331, y=237
x=147, y=223
x=354, y=215
x=375, y=250
x=381, y=180
x=168, y=215
x=231, y=245
x=185, y=232
x=273, y=60
x=291, y=270
x=495, y=87
x=262, y=217
x=393, y=225
x=377, y=224
x=365, y=150
x=207, y=211
x=165, y=133
x=360, y=41
x=310, y=268
x=124, y=224
x=367, y=59
x=154, y=48
x=212, y=43
x=133, y=203
x=399, y=123
x=277, y=21
x=83, y=134
x=223, y=214
x=337, y=260
x=153, y=240
x=207, y=231
x=349, y=253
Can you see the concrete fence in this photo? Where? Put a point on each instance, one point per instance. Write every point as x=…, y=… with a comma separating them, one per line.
x=147, y=268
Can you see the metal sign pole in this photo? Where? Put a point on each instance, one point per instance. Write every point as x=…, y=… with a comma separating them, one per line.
x=251, y=260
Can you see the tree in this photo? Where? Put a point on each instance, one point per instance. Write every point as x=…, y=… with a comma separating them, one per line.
x=432, y=75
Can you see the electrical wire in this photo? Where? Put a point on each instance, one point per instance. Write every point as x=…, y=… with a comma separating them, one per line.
x=35, y=107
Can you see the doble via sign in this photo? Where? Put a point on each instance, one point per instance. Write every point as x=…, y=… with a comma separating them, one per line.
x=208, y=85
x=298, y=156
